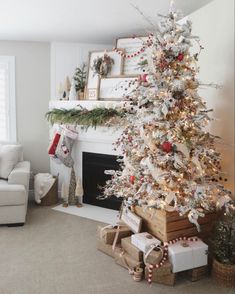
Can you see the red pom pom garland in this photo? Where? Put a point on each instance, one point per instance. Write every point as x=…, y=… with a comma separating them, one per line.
x=165, y=255
x=141, y=50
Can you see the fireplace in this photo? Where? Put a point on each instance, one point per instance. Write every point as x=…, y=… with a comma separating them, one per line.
x=93, y=167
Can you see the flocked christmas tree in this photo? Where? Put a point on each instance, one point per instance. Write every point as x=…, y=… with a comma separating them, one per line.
x=169, y=159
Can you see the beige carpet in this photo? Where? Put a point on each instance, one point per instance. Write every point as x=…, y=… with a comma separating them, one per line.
x=54, y=253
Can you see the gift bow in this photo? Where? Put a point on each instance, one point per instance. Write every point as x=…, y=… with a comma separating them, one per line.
x=118, y=226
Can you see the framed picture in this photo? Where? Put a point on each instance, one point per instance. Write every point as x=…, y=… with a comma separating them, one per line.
x=132, y=46
x=93, y=78
x=116, y=88
x=92, y=93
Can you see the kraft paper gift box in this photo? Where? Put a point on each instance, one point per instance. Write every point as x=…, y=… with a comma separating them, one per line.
x=105, y=248
x=131, y=249
x=107, y=235
x=164, y=270
x=144, y=241
x=162, y=275
x=125, y=260
x=185, y=258
x=154, y=257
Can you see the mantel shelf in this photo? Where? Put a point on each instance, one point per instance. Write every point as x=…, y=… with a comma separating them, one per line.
x=88, y=104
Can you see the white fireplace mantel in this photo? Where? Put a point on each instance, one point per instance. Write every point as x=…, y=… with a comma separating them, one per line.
x=88, y=104
x=94, y=140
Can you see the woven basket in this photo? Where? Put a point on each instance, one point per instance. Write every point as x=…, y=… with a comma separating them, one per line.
x=51, y=198
x=223, y=274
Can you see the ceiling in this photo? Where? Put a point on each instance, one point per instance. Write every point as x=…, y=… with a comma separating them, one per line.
x=94, y=21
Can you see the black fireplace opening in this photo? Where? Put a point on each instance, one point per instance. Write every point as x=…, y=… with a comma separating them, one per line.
x=93, y=177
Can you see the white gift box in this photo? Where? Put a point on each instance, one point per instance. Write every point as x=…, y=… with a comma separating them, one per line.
x=144, y=241
x=183, y=258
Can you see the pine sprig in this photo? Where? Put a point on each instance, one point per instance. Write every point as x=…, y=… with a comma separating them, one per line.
x=88, y=118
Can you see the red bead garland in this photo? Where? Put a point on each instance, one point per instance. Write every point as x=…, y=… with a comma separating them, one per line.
x=165, y=255
x=141, y=50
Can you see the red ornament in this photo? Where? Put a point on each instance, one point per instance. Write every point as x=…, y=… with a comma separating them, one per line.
x=143, y=78
x=167, y=146
x=180, y=57
x=132, y=179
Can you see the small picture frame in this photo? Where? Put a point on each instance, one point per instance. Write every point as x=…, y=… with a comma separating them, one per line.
x=93, y=79
x=133, y=221
x=132, y=45
x=117, y=88
x=92, y=93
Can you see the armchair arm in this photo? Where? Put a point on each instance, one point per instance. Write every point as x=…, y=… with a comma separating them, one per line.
x=20, y=174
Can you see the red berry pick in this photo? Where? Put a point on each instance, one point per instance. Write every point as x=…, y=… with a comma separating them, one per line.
x=132, y=179
x=180, y=57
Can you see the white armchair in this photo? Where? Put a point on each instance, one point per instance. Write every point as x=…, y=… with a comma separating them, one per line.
x=14, y=195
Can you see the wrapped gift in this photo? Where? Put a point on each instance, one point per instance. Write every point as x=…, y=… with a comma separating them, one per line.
x=162, y=275
x=105, y=248
x=125, y=260
x=107, y=234
x=131, y=249
x=198, y=273
x=154, y=257
x=164, y=270
x=186, y=255
x=144, y=241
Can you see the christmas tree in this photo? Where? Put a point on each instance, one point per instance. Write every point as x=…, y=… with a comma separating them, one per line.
x=169, y=159
x=80, y=78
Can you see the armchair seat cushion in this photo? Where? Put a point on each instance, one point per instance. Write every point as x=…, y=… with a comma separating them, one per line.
x=12, y=194
x=14, y=185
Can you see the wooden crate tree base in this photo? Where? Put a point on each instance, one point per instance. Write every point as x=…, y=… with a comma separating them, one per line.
x=169, y=225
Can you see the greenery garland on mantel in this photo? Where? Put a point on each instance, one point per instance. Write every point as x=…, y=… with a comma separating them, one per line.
x=98, y=116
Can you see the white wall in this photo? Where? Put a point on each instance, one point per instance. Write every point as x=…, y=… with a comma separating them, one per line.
x=214, y=23
x=32, y=97
x=65, y=57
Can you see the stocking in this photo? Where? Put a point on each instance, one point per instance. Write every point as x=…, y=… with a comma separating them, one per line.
x=54, y=144
x=64, y=149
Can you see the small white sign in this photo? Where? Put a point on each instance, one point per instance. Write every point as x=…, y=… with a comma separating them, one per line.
x=117, y=88
x=133, y=221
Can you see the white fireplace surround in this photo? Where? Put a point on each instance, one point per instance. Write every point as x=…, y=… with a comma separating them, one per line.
x=99, y=140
